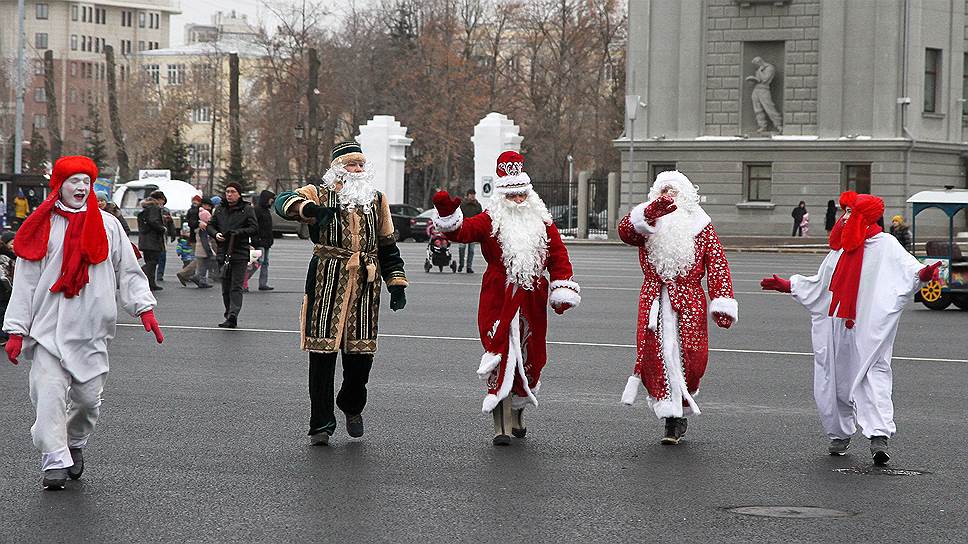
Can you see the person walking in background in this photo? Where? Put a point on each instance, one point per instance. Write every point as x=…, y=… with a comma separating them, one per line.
x=831, y=218
x=264, y=240
x=798, y=214
x=169, y=231
x=232, y=224
x=151, y=238
x=901, y=231
x=191, y=218
x=469, y=207
x=21, y=208
x=204, y=252
x=113, y=209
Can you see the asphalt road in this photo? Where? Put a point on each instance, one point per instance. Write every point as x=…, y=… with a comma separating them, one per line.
x=203, y=439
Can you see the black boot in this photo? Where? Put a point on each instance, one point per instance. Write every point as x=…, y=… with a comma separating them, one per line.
x=675, y=429
x=55, y=478
x=229, y=323
x=75, y=471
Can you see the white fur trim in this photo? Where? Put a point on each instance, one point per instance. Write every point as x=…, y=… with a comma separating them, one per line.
x=642, y=226
x=513, y=185
x=565, y=283
x=491, y=401
x=564, y=295
x=631, y=390
x=727, y=306
x=489, y=362
x=450, y=223
x=654, y=314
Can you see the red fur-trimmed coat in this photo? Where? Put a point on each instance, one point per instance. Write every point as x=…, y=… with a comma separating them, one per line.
x=500, y=302
x=687, y=300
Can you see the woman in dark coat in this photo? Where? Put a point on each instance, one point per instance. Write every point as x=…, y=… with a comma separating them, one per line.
x=831, y=217
x=263, y=240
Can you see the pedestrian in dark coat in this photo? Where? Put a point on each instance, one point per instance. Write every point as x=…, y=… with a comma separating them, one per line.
x=831, y=217
x=263, y=214
x=151, y=238
x=233, y=224
x=798, y=214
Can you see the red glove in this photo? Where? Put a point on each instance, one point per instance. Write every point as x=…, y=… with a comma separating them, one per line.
x=151, y=325
x=562, y=308
x=14, y=345
x=445, y=205
x=776, y=283
x=723, y=321
x=664, y=205
x=930, y=272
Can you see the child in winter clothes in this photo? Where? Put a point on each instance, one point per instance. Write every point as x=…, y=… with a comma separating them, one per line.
x=184, y=249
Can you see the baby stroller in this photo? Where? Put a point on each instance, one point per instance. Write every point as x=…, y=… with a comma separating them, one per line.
x=438, y=252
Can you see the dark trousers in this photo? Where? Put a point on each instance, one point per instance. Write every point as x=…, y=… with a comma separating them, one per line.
x=162, y=260
x=232, y=288
x=352, y=394
x=469, y=250
x=797, y=229
x=151, y=265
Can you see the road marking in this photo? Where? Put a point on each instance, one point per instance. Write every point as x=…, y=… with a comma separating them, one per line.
x=552, y=342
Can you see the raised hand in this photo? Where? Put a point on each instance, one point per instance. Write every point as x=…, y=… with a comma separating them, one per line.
x=151, y=325
x=446, y=206
x=776, y=283
x=664, y=205
x=930, y=272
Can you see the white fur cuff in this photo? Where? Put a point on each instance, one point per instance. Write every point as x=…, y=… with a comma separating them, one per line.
x=450, y=223
x=725, y=306
x=564, y=296
x=489, y=362
x=637, y=216
x=631, y=390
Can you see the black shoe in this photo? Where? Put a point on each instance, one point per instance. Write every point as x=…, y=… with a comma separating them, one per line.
x=204, y=286
x=354, y=425
x=266, y=288
x=229, y=323
x=879, y=450
x=319, y=439
x=675, y=429
x=182, y=280
x=838, y=446
x=470, y=270
x=55, y=478
x=518, y=429
x=75, y=471
x=156, y=288
x=460, y=268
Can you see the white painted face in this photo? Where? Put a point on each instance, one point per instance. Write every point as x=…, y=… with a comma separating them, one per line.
x=74, y=191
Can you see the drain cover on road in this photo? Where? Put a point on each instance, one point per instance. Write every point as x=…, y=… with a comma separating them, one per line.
x=795, y=512
x=880, y=471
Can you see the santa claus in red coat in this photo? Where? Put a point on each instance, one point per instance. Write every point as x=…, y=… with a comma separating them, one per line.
x=677, y=247
x=519, y=241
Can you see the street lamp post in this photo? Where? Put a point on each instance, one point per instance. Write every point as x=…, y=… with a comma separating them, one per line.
x=571, y=171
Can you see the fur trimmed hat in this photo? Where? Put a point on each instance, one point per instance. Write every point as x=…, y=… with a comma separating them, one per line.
x=511, y=178
x=344, y=152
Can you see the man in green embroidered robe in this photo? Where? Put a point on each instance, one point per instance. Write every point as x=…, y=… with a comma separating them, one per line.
x=354, y=253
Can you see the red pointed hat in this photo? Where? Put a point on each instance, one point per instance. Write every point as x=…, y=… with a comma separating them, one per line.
x=33, y=236
x=510, y=163
x=511, y=178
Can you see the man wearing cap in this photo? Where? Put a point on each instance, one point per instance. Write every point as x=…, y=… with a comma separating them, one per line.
x=355, y=252
x=233, y=223
x=519, y=242
x=72, y=258
x=855, y=302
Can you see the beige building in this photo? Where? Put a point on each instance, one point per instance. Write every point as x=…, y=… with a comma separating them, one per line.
x=767, y=103
x=77, y=33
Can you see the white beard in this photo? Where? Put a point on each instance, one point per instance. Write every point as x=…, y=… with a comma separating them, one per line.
x=521, y=230
x=357, y=190
x=672, y=249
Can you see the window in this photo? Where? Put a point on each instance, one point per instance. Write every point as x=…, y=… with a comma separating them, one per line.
x=73, y=96
x=127, y=18
x=100, y=16
x=73, y=42
x=759, y=182
x=857, y=177
x=656, y=167
x=201, y=114
x=141, y=19
x=42, y=11
x=73, y=69
x=932, y=80
x=38, y=67
x=40, y=95
x=152, y=45
x=40, y=40
x=97, y=45
x=40, y=120
x=153, y=72
x=141, y=45
x=176, y=74
x=74, y=12
x=199, y=155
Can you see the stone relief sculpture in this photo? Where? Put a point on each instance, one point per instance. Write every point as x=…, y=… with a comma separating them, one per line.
x=762, y=96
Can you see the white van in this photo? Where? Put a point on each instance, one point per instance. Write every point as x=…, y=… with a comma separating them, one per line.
x=128, y=197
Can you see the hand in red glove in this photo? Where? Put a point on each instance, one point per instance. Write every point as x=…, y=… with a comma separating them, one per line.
x=151, y=325
x=930, y=272
x=445, y=205
x=664, y=205
x=723, y=321
x=13, y=347
x=776, y=283
x=561, y=308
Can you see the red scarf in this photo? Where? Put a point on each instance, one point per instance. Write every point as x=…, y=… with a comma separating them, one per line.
x=74, y=264
x=846, y=280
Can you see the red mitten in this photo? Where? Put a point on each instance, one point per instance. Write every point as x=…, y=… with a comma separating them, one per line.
x=664, y=205
x=14, y=345
x=776, y=283
x=561, y=308
x=445, y=205
x=151, y=325
x=723, y=321
x=930, y=272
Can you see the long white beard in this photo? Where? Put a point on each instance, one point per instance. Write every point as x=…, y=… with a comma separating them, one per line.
x=521, y=229
x=357, y=190
x=672, y=249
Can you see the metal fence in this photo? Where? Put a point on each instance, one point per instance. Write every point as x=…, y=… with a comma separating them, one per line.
x=563, y=205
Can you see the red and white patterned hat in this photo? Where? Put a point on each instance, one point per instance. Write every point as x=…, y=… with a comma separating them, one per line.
x=511, y=178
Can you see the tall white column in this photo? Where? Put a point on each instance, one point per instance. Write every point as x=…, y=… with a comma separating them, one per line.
x=384, y=142
x=492, y=136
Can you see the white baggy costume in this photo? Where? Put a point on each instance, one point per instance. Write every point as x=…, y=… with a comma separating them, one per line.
x=852, y=366
x=67, y=338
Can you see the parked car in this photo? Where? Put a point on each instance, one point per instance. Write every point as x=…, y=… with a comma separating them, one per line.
x=403, y=214
x=559, y=214
x=418, y=226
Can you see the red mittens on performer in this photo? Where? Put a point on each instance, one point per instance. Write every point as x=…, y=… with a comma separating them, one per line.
x=930, y=272
x=561, y=308
x=664, y=205
x=723, y=321
x=445, y=205
x=13, y=347
x=151, y=325
x=776, y=283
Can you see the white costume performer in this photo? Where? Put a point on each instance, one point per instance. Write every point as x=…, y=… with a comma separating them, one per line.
x=72, y=260
x=855, y=301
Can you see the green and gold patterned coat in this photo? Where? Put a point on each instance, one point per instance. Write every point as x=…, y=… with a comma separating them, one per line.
x=354, y=253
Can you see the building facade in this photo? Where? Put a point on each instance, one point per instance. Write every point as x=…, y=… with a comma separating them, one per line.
x=764, y=104
x=77, y=33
